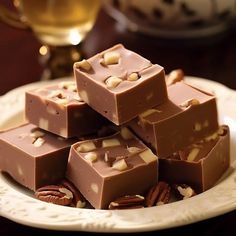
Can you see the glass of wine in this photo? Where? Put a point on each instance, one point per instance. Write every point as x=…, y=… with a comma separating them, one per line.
x=60, y=25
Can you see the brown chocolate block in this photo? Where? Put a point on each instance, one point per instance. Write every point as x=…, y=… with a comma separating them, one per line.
x=199, y=165
x=33, y=157
x=59, y=109
x=188, y=116
x=120, y=84
x=106, y=168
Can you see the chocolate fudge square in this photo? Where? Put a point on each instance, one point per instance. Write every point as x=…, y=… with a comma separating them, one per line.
x=188, y=116
x=201, y=164
x=106, y=168
x=34, y=157
x=120, y=84
x=59, y=109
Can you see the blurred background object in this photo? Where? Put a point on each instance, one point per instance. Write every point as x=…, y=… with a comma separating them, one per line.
x=59, y=25
x=174, y=18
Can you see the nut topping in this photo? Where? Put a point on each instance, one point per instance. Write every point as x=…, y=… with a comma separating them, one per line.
x=126, y=133
x=222, y=131
x=113, y=81
x=112, y=142
x=191, y=102
x=147, y=156
x=110, y=58
x=120, y=165
x=38, y=142
x=84, y=64
x=159, y=194
x=133, y=77
x=90, y=156
x=127, y=202
x=184, y=190
x=86, y=147
x=174, y=77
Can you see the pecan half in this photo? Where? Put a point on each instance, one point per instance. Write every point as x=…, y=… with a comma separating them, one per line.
x=127, y=202
x=78, y=199
x=65, y=194
x=184, y=191
x=56, y=194
x=159, y=194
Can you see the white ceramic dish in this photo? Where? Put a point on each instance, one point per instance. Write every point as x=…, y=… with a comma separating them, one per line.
x=17, y=204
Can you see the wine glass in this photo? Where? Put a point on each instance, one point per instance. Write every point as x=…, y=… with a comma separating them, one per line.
x=60, y=25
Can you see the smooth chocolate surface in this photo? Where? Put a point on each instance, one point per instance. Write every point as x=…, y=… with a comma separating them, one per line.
x=34, y=157
x=188, y=116
x=60, y=110
x=199, y=165
x=106, y=168
x=121, y=89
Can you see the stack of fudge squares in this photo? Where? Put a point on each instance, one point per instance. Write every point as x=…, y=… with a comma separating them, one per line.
x=122, y=135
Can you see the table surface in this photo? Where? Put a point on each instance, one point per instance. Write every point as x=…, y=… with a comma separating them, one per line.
x=211, y=58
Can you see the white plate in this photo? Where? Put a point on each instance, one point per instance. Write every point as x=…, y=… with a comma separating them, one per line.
x=18, y=205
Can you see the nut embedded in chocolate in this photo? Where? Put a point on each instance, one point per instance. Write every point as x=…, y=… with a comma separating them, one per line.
x=159, y=194
x=84, y=64
x=113, y=81
x=127, y=202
